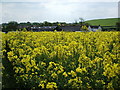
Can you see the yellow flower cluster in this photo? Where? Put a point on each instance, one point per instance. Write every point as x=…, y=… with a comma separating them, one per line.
x=52, y=60
x=51, y=85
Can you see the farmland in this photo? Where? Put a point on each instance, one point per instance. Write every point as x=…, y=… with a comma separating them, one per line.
x=61, y=60
x=104, y=22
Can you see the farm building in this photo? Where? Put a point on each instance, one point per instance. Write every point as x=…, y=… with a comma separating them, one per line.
x=70, y=28
x=44, y=28
x=94, y=28
x=60, y=28
x=65, y=28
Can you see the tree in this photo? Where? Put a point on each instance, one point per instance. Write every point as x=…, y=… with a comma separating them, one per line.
x=4, y=26
x=35, y=23
x=28, y=23
x=24, y=29
x=81, y=21
x=118, y=26
x=11, y=26
x=58, y=28
x=47, y=23
x=84, y=28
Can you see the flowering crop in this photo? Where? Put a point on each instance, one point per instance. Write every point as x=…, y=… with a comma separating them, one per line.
x=64, y=59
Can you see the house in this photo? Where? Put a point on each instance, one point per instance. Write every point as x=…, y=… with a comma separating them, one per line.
x=70, y=28
x=52, y=28
x=65, y=28
x=24, y=26
x=94, y=28
x=44, y=28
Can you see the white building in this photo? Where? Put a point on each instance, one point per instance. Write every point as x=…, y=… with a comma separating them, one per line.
x=94, y=28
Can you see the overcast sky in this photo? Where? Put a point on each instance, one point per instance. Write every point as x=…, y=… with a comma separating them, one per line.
x=57, y=10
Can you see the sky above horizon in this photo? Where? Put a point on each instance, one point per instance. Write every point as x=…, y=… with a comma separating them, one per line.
x=57, y=10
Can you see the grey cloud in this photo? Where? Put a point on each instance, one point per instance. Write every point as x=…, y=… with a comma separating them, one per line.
x=57, y=11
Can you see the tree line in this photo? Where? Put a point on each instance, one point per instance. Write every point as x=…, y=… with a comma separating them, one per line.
x=13, y=25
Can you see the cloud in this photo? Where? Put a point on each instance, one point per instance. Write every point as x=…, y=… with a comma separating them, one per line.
x=57, y=10
x=102, y=10
x=59, y=0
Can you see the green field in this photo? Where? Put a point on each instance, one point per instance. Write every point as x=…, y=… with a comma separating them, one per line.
x=104, y=22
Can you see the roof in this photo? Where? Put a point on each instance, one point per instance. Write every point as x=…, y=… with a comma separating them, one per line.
x=44, y=28
x=70, y=28
x=51, y=28
x=94, y=26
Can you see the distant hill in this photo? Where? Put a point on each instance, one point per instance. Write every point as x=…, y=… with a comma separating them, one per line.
x=103, y=22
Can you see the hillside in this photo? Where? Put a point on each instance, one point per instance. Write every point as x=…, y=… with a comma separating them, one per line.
x=103, y=22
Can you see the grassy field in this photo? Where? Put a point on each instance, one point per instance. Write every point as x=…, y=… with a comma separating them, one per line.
x=104, y=22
